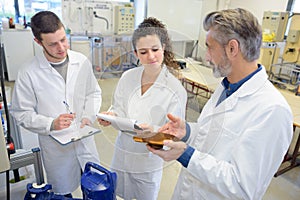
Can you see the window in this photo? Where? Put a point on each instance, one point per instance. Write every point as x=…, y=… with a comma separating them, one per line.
x=296, y=6
x=27, y=8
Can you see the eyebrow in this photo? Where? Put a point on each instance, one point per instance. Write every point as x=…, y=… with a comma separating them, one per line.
x=155, y=46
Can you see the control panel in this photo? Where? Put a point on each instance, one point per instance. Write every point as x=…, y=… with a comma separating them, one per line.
x=124, y=20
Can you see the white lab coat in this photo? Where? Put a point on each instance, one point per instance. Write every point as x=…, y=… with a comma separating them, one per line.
x=38, y=99
x=140, y=171
x=239, y=144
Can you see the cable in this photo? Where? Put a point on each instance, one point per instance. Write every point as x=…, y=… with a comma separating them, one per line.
x=107, y=23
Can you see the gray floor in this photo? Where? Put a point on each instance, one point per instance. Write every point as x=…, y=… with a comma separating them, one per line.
x=286, y=186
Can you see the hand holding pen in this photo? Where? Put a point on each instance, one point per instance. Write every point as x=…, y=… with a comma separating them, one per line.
x=64, y=120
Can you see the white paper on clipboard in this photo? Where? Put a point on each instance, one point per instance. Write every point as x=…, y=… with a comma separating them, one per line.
x=71, y=134
x=120, y=123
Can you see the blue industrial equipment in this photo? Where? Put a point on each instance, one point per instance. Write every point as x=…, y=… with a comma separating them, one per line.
x=42, y=192
x=95, y=185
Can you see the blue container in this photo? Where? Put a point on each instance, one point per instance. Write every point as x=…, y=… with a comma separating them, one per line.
x=43, y=193
x=99, y=183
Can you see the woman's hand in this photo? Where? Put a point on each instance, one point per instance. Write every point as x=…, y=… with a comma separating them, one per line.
x=104, y=122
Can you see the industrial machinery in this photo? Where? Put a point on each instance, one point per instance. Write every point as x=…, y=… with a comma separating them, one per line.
x=291, y=51
x=287, y=72
x=273, y=26
x=269, y=54
x=274, y=23
x=98, y=17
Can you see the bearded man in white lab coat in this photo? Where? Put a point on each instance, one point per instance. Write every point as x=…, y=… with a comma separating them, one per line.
x=244, y=130
x=54, y=91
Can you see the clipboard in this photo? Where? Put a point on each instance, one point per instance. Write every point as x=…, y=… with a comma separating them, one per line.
x=120, y=123
x=72, y=134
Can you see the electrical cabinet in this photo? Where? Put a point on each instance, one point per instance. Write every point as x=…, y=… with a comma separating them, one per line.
x=291, y=51
x=18, y=48
x=269, y=54
x=293, y=36
x=275, y=22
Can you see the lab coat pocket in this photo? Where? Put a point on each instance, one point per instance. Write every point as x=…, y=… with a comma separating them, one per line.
x=224, y=143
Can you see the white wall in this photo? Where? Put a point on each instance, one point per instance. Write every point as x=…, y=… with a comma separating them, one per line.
x=182, y=17
x=257, y=7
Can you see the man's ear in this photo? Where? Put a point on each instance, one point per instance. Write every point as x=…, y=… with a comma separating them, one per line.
x=37, y=41
x=232, y=47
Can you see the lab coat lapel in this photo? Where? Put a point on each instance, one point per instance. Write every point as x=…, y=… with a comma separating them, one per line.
x=73, y=69
x=45, y=65
x=248, y=88
x=219, y=113
x=224, y=106
x=161, y=77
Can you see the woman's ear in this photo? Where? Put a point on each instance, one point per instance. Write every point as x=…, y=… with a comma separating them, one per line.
x=135, y=53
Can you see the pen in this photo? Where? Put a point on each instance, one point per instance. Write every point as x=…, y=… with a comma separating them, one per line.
x=109, y=109
x=67, y=107
x=70, y=112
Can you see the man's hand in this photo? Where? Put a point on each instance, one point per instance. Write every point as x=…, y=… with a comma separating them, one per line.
x=175, y=127
x=175, y=150
x=63, y=121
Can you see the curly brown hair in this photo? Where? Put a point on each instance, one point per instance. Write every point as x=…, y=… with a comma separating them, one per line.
x=152, y=26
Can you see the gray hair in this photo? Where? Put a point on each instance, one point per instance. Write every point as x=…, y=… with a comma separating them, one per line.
x=236, y=24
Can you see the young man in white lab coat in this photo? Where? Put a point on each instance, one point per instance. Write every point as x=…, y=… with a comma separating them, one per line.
x=244, y=130
x=54, y=91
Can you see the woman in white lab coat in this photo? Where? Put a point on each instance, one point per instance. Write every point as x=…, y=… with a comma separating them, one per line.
x=146, y=93
x=37, y=105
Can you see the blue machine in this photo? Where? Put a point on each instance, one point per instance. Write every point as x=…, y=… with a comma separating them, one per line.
x=96, y=184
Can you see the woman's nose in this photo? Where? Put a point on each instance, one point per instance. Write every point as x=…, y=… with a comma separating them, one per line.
x=150, y=54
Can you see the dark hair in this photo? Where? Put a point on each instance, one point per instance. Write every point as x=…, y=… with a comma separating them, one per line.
x=152, y=26
x=237, y=24
x=45, y=22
